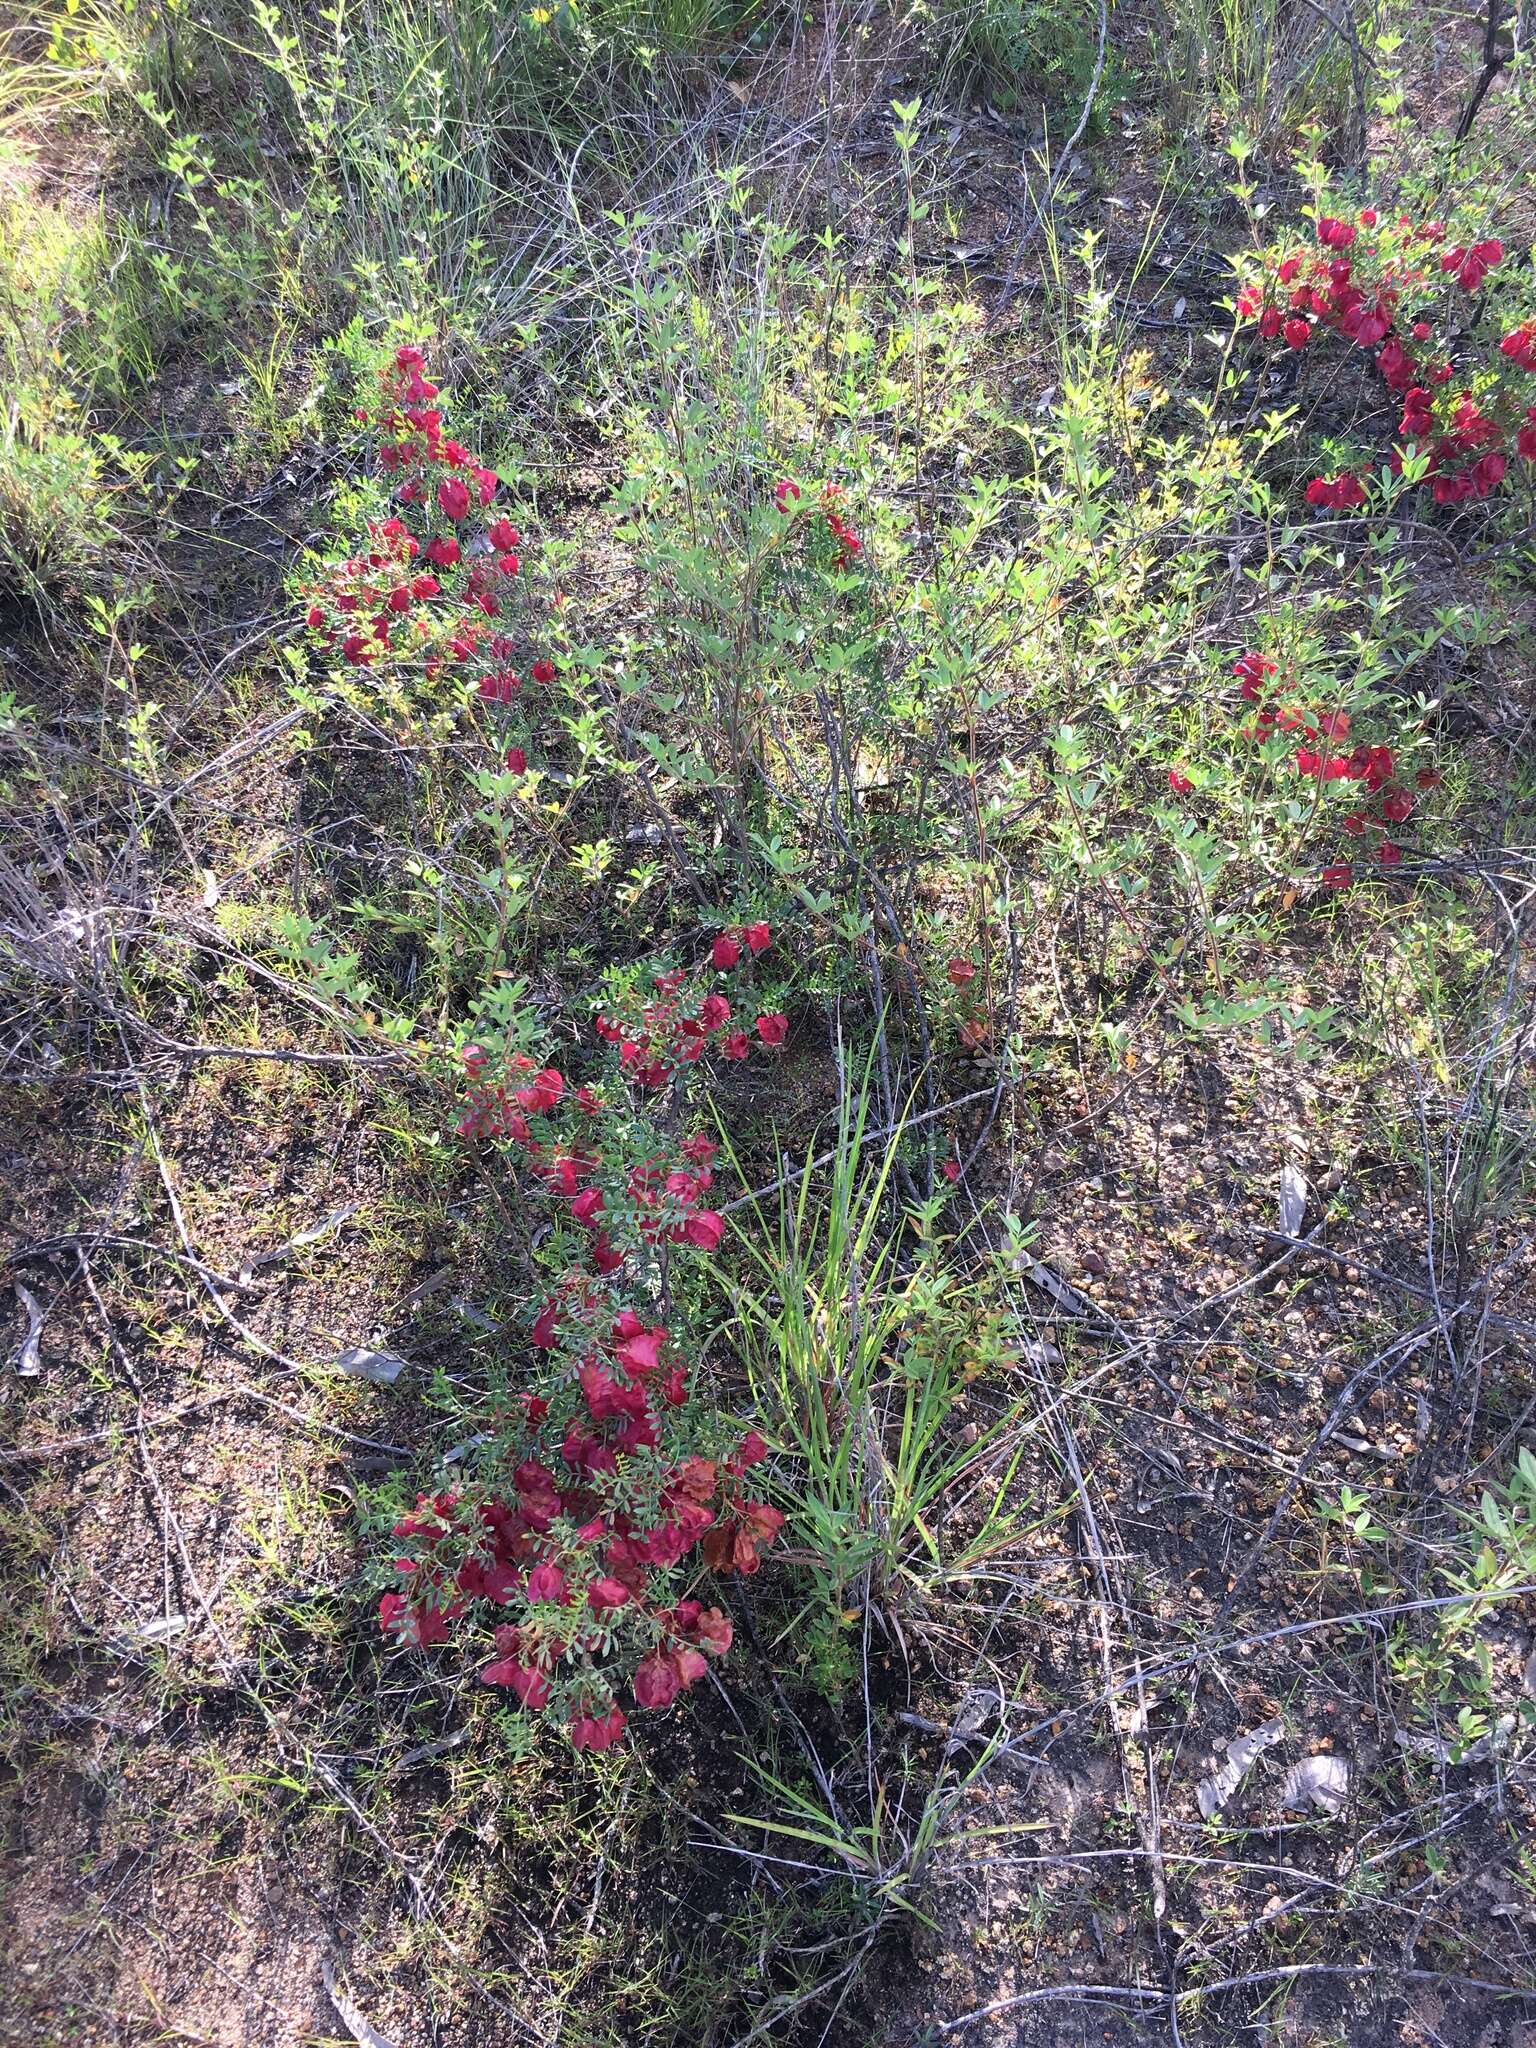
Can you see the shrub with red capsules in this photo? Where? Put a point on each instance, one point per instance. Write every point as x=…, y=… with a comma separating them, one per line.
x=1447, y=327
x=568, y=1551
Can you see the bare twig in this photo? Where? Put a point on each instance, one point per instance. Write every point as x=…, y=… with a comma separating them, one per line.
x=1497, y=50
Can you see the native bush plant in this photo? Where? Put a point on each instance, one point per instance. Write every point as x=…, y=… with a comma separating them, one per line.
x=815, y=628
x=837, y=693
x=1201, y=780
x=56, y=530
x=1448, y=323
x=561, y=1548
x=432, y=638
x=426, y=594
x=1292, y=731
x=563, y=1551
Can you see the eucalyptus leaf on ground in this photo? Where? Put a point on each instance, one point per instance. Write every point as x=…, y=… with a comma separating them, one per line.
x=383, y=1366
x=29, y=1361
x=1293, y=1198
x=1317, y=1781
x=358, y=2026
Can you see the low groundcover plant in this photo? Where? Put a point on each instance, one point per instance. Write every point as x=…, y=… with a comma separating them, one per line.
x=607, y=1475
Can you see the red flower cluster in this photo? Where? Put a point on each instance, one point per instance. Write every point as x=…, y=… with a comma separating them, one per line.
x=610, y=1492
x=659, y=1035
x=726, y=951
x=848, y=542
x=412, y=445
x=786, y=496
x=1468, y=430
x=1377, y=297
x=1373, y=767
x=428, y=595
x=569, y=1572
x=1341, y=493
x=1472, y=265
x=656, y=1198
x=362, y=600
x=975, y=1023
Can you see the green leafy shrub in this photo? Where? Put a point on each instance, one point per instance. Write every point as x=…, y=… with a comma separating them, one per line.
x=55, y=510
